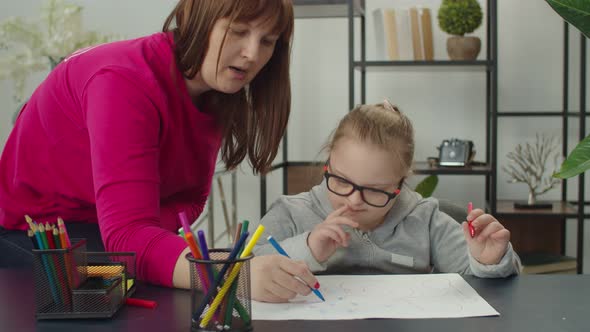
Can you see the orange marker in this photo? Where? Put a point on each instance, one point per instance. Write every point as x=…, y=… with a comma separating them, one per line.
x=471, y=228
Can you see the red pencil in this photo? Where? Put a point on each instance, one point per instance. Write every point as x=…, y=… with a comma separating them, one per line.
x=49, y=234
x=471, y=228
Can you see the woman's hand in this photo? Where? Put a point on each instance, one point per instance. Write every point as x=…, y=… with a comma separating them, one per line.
x=274, y=278
x=490, y=242
x=328, y=236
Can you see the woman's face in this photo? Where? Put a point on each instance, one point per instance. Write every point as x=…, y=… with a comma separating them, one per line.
x=247, y=48
x=364, y=165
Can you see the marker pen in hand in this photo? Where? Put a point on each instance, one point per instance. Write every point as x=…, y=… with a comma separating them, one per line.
x=281, y=251
x=471, y=228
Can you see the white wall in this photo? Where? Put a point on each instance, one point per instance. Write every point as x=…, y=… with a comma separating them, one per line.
x=442, y=103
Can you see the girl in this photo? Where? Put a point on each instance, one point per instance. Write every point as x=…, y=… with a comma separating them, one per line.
x=125, y=135
x=363, y=219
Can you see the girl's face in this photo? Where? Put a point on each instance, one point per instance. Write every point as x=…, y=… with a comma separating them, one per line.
x=364, y=165
x=247, y=48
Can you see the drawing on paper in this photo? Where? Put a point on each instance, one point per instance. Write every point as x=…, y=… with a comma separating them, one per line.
x=383, y=296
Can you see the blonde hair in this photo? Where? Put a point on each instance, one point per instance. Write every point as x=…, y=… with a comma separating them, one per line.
x=382, y=125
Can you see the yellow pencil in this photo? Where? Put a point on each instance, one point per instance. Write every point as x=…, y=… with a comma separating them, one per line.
x=29, y=221
x=234, y=273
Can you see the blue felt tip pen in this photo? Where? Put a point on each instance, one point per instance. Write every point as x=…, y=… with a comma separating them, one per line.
x=282, y=251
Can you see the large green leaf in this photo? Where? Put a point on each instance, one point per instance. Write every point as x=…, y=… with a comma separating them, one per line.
x=577, y=162
x=426, y=187
x=575, y=12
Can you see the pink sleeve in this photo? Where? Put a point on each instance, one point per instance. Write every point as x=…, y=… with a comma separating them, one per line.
x=123, y=126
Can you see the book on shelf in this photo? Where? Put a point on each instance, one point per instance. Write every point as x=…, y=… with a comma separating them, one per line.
x=416, y=37
x=426, y=33
x=386, y=34
x=404, y=33
x=539, y=262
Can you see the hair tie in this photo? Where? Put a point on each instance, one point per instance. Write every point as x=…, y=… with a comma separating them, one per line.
x=389, y=106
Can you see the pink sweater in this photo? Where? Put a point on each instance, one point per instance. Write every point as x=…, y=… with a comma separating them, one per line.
x=112, y=136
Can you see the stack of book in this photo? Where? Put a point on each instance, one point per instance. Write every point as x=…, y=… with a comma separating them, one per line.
x=546, y=263
x=404, y=34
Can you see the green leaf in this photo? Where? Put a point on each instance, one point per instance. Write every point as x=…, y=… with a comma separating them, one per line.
x=577, y=162
x=426, y=187
x=575, y=12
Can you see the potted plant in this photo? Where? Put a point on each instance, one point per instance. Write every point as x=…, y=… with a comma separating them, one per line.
x=529, y=164
x=577, y=13
x=458, y=17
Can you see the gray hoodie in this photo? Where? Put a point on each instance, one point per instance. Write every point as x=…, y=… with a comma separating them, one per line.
x=416, y=237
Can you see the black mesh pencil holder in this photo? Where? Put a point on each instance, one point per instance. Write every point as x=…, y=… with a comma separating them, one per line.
x=73, y=283
x=225, y=305
x=55, y=275
x=109, y=279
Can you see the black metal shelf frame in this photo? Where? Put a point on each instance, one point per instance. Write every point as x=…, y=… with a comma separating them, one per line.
x=355, y=10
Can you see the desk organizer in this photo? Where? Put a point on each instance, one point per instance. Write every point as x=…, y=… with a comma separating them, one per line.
x=74, y=283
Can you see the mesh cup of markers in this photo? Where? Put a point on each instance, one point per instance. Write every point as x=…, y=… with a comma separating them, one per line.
x=235, y=309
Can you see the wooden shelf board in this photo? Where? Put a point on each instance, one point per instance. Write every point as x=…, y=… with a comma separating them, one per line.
x=506, y=207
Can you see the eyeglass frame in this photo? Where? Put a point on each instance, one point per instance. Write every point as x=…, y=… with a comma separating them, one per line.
x=355, y=187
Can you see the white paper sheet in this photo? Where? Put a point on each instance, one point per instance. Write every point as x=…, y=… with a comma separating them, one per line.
x=382, y=296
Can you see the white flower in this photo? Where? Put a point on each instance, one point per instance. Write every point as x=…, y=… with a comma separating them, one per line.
x=27, y=47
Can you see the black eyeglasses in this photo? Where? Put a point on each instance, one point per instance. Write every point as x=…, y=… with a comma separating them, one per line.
x=343, y=187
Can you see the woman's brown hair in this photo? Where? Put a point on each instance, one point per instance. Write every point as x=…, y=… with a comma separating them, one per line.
x=254, y=119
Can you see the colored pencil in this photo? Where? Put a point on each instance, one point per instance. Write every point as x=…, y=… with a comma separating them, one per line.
x=62, y=225
x=56, y=239
x=31, y=236
x=30, y=221
x=47, y=264
x=60, y=279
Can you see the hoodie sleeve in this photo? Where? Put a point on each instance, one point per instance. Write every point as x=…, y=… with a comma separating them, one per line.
x=450, y=253
x=290, y=234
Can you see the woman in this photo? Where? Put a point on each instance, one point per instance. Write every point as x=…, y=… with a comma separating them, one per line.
x=127, y=134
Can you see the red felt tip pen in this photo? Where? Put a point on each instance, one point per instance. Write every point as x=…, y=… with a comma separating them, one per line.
x=141, y=303
x=471, y=228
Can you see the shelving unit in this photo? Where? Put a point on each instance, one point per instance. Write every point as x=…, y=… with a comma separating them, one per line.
x=354, y=10
x=487, y=65
x=565, y=208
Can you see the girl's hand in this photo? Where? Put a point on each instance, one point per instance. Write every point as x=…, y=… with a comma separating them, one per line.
x=328, y=236
x=274, y=278
x=490, y=242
